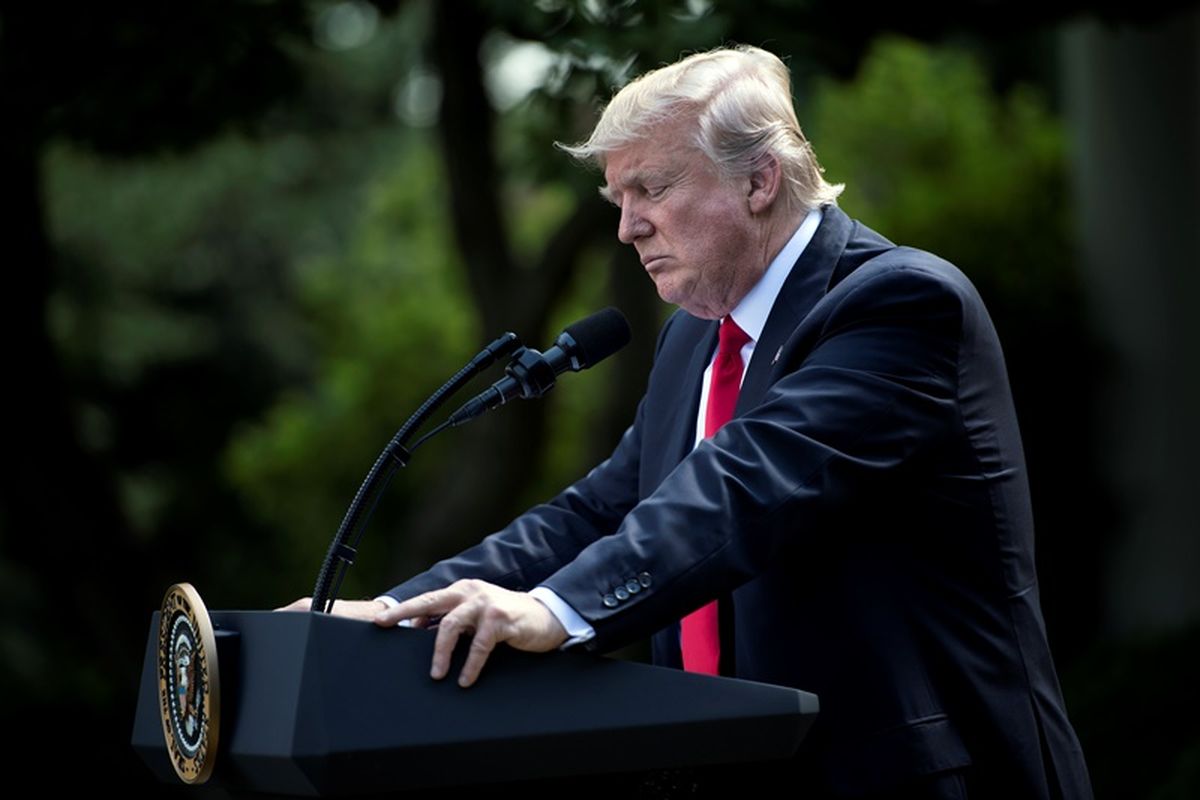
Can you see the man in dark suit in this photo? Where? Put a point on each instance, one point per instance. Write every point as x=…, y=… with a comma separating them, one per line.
x=824, y=485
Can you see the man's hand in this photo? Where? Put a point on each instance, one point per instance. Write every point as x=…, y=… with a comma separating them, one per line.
x=354, y=609
x=493, y=614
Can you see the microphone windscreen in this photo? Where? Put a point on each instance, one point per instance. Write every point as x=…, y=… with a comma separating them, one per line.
x=599, y=336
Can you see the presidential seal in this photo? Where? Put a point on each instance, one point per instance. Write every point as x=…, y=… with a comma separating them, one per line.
x=189, y=686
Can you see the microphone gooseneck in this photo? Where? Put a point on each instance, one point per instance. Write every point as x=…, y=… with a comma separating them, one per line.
x=343, y=548
x=531, y=374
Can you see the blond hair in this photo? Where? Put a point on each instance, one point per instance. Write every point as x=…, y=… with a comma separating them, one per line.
x=741, y=99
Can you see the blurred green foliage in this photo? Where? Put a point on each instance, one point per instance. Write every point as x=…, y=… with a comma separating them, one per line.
x=933, y=158
x=391, y=319
x=386, y=313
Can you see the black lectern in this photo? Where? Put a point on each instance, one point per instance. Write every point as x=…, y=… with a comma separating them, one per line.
x=317, y=705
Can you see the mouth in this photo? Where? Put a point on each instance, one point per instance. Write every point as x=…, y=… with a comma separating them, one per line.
x=650, y=263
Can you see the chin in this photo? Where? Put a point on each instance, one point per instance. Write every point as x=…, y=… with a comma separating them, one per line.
x=668, y=295
x=686, y=301
x=676, y=296
x=699, y=313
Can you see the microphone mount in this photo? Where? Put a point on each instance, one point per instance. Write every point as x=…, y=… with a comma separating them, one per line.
x=529, y=374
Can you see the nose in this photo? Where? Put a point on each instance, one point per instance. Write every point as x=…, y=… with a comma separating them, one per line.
x=633, y=225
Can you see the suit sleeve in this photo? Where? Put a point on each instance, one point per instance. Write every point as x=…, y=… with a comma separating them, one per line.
x=548, y=536
x=872, y=387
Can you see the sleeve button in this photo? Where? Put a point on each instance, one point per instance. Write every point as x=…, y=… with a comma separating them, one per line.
x=609, y=601
x=644, y=580
x=621, y=593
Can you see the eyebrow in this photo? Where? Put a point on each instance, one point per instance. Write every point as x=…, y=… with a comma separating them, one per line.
x=641, y=178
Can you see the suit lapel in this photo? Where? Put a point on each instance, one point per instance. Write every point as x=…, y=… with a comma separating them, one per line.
x=683, y=431
x=678, y=438
x=805, y=285
x=823, y=263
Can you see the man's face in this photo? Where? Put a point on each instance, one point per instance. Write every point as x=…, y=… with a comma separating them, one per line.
x=691, y=226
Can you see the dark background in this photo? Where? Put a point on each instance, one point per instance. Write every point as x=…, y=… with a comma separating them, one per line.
x=244, y=239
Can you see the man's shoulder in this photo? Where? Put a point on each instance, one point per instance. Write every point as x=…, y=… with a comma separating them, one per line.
x=901, y=269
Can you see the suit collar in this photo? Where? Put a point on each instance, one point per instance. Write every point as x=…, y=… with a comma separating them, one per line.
x=752, y=312
x=810, y=278
x=805, y=285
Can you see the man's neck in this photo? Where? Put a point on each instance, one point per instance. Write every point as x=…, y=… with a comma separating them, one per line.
x=752, y=310
x=778, y=232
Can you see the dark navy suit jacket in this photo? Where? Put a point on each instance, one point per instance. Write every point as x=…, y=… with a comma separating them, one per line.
x=865, y=518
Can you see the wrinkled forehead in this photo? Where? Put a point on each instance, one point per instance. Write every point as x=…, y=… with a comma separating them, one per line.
x=627, y=169
x=665, y=152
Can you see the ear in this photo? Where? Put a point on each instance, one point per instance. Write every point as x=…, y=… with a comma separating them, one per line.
x=765, y=184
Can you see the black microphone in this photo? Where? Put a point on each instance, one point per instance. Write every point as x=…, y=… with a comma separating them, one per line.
x=531, y=374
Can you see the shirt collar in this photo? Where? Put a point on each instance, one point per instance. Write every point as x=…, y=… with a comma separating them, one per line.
x=752, y=312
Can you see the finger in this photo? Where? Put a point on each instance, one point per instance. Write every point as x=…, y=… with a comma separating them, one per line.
x=421, y=623
x=482, y=644
x=303, y=604
x=423, y=605
x=394, y=614
x=453, y=625
x=358, y=609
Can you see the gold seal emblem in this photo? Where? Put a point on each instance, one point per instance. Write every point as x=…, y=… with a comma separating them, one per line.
x=189, y=685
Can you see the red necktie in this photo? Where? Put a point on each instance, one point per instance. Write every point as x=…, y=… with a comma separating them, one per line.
x=699, y=634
